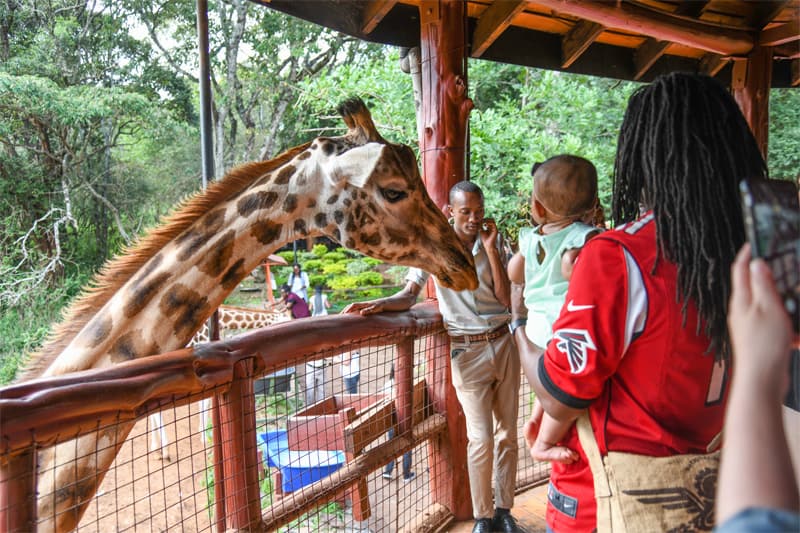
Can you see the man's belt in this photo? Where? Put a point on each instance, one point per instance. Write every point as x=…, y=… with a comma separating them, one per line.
x=486, y=336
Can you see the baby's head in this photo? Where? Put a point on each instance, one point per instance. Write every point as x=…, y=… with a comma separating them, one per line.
x=564, y=187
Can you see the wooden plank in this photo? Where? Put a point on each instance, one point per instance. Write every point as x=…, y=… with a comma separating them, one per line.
x=428, y=520
x=373, y=14
x=753, y=97
x=646, y=55
x=497, y=17
x=368, y=426
x=662, y=26
x=578, y=40
x=711, y=64
x=777, y=35
x=18, y=492
x=795, y=72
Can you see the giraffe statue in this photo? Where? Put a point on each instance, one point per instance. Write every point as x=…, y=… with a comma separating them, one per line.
x=357, y=189
x=229, y=318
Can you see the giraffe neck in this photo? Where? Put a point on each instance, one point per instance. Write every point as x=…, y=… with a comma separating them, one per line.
x=162, y=305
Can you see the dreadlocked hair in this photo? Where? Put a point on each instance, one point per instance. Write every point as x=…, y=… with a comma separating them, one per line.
x=683, y=148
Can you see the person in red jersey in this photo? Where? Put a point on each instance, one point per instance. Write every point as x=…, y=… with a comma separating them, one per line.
x=642, y=341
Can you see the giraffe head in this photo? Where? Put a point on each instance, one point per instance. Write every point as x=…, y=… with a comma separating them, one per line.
x=371, y=198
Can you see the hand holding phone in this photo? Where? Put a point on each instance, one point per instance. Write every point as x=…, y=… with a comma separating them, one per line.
x=772, y=222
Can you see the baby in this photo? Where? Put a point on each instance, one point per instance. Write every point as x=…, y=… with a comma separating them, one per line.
x=566, y=212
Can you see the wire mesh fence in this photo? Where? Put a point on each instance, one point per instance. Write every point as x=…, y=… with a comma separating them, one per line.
x=345, y=438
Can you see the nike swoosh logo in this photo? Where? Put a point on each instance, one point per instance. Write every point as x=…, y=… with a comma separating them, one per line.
x=572, y=307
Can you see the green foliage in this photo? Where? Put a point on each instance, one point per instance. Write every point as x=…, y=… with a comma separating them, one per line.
x=784, y=134
x=319, y=250
x=335, y=256
x=397, y=274
x=341, y=283
x=369, y=278
x=334, y=269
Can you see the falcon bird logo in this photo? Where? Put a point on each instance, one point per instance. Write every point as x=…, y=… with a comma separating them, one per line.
x=575, y=344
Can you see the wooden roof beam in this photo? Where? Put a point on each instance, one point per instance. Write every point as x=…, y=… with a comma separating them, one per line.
x=578, y=40
x=493, y=22
x=662, y=26
x=373, y=14
x=711, y=64
x=795, y=72
x=785, y=33
x=649, y=51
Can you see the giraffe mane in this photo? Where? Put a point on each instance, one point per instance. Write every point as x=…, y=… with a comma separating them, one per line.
x=117, y=271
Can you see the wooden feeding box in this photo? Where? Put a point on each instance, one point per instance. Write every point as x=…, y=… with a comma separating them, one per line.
x=349, y=422
x=322, y=426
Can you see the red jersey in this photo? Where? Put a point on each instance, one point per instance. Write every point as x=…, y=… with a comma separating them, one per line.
x=621, y=348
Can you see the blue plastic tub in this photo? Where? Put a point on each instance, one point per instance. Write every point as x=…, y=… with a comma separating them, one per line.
x=298, y=468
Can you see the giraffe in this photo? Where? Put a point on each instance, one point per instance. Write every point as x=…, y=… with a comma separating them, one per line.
x=358, y=189
x=229, y=318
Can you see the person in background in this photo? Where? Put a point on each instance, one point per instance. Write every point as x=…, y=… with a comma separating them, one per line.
x=319, y=303
x=294, y=303
x=390, y=390
x=350, y=370
x=485, y=363
x=757, y=489
x=298, y=282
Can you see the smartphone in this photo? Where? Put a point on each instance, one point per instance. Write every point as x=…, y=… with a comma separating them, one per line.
x=772, y=221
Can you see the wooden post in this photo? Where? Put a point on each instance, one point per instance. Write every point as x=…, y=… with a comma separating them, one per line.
x=445, y=111
x=240, y=451
x=18, y=492
x=751, y=90
x=445, y=105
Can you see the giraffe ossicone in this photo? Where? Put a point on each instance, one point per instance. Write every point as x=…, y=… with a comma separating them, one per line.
x=357, y=189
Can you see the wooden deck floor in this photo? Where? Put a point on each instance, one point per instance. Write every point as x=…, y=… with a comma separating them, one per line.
x=529, y=510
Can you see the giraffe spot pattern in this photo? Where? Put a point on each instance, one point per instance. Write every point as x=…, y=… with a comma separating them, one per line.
x=233, y=275
x=350, y=243
x=142, y=293
x=99, y=328
x=321, y=220
x=290, y=203
x=218, y=255
x=373, y=239
x=284, y=175
x=327, y=148
x=300, y=226
x=304, y=155
x=333, y=199
x=397, y=237
x=337, y=235
x=266, y=232
x=148, y=269
x=124, y=349
x=312, y=202
x=186, y=307
x=194, y=238
x=338, y=216
x=255, y=202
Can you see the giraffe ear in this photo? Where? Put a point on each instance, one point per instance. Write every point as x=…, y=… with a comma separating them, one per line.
x=356, y=165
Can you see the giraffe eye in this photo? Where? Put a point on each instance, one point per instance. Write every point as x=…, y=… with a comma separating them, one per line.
x=393, y=195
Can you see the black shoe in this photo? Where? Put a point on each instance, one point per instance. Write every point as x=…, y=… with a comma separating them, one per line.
x=482, y=525
x=505, y=523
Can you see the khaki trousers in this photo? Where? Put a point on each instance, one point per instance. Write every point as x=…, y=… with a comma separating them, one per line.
x=486, y=376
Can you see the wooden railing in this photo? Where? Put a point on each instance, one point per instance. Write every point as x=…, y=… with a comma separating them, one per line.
x=37, y=414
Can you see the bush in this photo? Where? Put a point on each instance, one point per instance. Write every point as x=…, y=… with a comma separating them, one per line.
x=369, y=278
x=397, y=274
x=317, y=279
x=341, y=283
x=335, y=256
x=312, y=265
x=357, y=266
x=334, y=269
x=319, y=250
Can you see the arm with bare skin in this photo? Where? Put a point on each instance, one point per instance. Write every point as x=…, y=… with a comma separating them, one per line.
x=400, y=301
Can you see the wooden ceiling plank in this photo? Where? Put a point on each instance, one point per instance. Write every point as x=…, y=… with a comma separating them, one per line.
x=785, y=33
x=646, y=55
x=711, y=64
x=373, y=14
x=578, y=40
x=765, y=12
x=493, y=22
x=795, y=72
x=662, y=26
